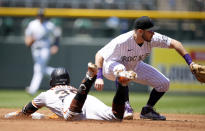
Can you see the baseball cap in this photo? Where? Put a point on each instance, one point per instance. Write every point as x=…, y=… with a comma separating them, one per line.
x=144, y=23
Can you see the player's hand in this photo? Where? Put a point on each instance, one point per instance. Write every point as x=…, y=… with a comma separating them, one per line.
x=29, y=41
x=99, y=84
x=54, y=49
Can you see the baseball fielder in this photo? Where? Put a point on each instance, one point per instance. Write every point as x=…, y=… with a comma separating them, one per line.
x=40, y=35
x=127, y=52
x=71, y=104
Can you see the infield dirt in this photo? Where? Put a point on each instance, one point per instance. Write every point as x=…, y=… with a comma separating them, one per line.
x=174, y=122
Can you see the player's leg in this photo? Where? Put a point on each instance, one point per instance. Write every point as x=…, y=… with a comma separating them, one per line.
x=36, y=79
x=119, y=100
x=111, y=71
x=122, y=80
x=39, y=57
x=148, y=75
x=102, y=112
x=46, y=55
x=78, y=101
x=118, y=104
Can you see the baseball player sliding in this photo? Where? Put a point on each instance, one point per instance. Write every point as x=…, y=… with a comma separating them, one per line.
x=74, y=104
x=40, y=36
x=127, y=52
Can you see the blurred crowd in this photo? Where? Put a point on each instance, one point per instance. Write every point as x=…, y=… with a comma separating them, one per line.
x=191, y=5
x=188, y=30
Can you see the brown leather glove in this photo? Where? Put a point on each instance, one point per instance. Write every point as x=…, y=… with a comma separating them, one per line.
x=199, y=71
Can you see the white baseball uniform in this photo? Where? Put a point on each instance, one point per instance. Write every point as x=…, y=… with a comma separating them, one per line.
x=44, y=35
x=123, y=53
x=58, y=100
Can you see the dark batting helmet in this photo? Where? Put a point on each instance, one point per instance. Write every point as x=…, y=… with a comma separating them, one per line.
x=59, y=76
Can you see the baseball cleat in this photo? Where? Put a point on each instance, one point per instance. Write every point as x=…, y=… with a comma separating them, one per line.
x=129, y=113
x=12, y=114
x=92, y=69
x=150, y=113
x=131, y=75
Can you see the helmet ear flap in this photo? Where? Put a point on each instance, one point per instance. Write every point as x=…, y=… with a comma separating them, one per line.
x=51, y=83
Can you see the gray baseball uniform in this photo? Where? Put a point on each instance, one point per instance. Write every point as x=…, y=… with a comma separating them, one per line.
x=58, y=100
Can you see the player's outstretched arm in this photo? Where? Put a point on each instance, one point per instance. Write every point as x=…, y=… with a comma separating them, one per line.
x=74, y=112
x=28, y=111
x=196, y=69
x=99, y=83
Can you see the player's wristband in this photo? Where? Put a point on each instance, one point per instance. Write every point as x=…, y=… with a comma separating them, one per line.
x=29, y=109
x=100, y=74
x=188, y=59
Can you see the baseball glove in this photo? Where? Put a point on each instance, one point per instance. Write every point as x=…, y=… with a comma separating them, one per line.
x=199, y=71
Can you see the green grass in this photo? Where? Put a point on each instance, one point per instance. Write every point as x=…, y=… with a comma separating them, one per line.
x=13, y=99
x=182, y=104
x=169, y=103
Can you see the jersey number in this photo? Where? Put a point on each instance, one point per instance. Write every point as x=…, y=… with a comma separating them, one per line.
x=62, y=94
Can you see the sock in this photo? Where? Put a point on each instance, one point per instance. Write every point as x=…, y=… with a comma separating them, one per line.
x=127, y=94
x=118, y=105
x=154, y=97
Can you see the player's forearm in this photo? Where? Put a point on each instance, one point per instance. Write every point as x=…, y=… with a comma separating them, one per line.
x=99, y=60
x=181, y=50
x=29, y=41
x=178, y=47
